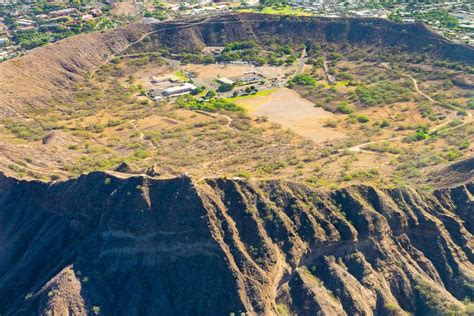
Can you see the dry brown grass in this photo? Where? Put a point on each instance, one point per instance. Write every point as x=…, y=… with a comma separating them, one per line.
x=105, y=122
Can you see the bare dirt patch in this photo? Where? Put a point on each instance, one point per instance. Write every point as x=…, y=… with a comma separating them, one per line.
x=287, y=108
x=212, y=71
x=125, y=8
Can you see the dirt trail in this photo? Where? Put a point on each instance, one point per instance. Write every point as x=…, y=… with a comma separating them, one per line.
x=301, y=63
x=216, y=115
x=142, y=138
x=359, y=148
x=330, y=78
x=415, y=83
x=468, y=119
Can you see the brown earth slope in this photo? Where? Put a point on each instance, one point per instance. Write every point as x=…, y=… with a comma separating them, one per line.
x=458, y=172
x=141, y=246
x=32, y=80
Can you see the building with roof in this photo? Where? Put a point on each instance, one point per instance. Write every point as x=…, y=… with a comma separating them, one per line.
x=251, y=78
x=225, y=81
x=177, y=90
x=63, y=12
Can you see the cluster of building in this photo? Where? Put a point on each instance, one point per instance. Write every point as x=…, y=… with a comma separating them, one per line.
x=203, y=9
x=20, y=17
x=408, y=12
x=464, y=33
x=169, y=86
x=247, y=78
x=7, y=49
x=460, y=10
x=245, y=84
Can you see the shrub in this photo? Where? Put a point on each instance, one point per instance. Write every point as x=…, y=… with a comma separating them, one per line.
x=142, y=154
x=213, y=105
x=345, y=108
x=243, y=174
x=384, y=124
x=225, y=87
x=345, y=76
x=393, y=308
x=470, y=104
x=334, y=56
x=384, y=92
x=290, y=60
x=318, y=62
x=363, y=118
x=420, y=134
x=452, y=155
x=383, y=147
x=303, y=80
x=240, y=45
x=332, y=124
x=211, y=94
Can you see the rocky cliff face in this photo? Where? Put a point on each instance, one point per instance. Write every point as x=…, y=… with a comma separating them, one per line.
x=381, y=33
x=142, y=246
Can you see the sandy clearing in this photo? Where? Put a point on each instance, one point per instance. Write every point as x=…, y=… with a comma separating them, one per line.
x=287, y=108
x=212, y=71
x=125, y=8
x=144, y=74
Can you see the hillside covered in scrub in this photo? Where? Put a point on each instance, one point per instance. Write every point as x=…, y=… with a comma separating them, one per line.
x=82, y=104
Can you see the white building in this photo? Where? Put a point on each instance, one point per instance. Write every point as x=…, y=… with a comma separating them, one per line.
x=63, y=12
x=225, y=80
x=177, y=90
x=251, y=2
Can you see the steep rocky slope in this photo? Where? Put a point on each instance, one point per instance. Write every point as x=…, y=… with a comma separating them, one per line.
x=142, y=246
x=455, y=173
x=378, y=33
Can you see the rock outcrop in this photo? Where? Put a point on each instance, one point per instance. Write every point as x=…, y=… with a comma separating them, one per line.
x=143, y=246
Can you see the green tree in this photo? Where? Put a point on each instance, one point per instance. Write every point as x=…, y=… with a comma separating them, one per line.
x=225, y=87
x=211, y=93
